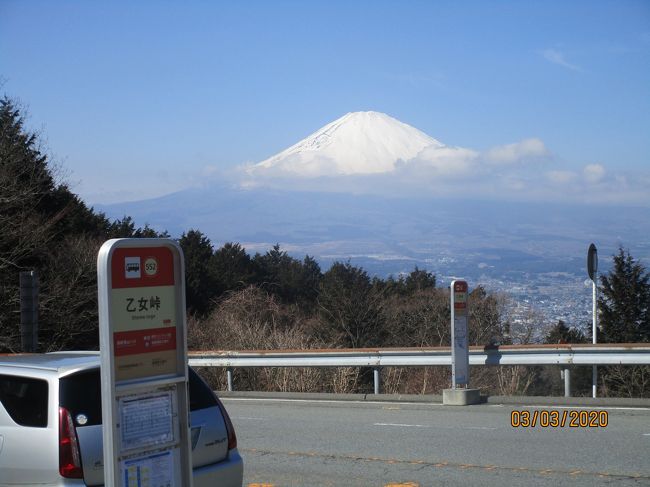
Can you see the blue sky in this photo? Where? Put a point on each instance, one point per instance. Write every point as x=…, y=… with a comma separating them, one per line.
x=137, y=99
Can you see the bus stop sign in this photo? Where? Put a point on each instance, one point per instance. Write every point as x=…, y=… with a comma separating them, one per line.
x=143, y=348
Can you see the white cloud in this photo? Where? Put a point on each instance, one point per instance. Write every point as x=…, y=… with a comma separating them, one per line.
x=521, y=171
x=594, y=173
x=446, y=162
x=561, y=177
x=557, y=57
x=518, y=152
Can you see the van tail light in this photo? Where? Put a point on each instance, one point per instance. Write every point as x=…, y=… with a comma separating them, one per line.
x=69, y=456
x=232, y=437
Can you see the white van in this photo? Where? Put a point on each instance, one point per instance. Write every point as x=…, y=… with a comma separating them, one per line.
x=51, y=424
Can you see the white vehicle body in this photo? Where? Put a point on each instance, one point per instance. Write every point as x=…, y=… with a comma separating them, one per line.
x=51, y=431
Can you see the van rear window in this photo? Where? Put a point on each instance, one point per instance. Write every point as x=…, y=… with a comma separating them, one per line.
x=201, y=395
x=25, y=399
x=81, y=393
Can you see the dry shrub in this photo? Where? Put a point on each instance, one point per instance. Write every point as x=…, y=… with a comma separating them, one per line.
x=291, y=379
x=514, y=380
x=343, y=380
x=252, y=319
x=625, y=380
x=504, y=380
x=415, y=380
x=433, y=381
x=68, y=299
x=393, y=378
x=215, y=376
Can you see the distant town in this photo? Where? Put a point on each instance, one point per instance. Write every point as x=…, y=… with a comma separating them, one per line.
x=538, y=298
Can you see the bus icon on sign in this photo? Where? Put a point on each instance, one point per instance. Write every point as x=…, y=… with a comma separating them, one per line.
x=132, y=267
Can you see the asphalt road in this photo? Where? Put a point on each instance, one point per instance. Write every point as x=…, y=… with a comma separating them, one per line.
x=329, y=443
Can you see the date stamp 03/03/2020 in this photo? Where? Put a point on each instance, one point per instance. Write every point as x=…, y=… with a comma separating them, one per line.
x=574, y=418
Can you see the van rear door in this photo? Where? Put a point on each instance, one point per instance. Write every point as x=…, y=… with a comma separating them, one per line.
x=80, y=394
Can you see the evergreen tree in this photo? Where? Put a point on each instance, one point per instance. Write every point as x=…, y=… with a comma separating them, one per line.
x=419, y=319
x=351, y=307
x=232, y=268
x=200, y=282
x=624, y=301
x=275, y=269
x=419, y=279
x=624, y=306
x=291, y=280
x=125, y=228
x=560, y=333
x=309, y=282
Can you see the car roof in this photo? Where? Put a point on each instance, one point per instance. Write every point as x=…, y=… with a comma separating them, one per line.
x=60, y=362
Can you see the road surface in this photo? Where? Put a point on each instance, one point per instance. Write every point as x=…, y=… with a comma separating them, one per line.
x=345, y=443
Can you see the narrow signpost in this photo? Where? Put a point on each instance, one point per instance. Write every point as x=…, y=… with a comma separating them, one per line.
x=459, y=394
x=459, y=340
x=143, y=343
x=592, y=270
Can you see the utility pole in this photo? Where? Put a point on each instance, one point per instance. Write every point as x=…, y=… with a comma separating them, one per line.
x=29, y=311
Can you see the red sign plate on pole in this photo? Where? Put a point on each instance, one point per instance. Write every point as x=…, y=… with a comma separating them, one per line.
x=143, y=309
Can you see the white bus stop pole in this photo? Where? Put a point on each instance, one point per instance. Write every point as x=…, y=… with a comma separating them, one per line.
x=594, y=368
x=566, y=375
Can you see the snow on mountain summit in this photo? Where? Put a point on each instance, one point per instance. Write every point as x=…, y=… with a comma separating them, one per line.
x=356, y=143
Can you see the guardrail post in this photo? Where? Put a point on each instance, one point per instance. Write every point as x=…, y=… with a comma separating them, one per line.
x=567, y=382
x=375, y=371
x=229, y=376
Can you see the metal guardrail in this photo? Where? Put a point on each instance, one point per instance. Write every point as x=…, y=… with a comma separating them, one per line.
x=564, y=355
x=583, y=354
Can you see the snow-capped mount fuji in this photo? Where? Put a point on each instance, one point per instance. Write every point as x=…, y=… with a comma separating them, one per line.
x=357, y=143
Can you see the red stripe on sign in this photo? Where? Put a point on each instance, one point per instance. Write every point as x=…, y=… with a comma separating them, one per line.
x=144, y=341
x=460, y=305
x=142, y=267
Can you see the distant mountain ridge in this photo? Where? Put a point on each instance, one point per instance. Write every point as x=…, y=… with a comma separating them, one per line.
x=399, y=230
